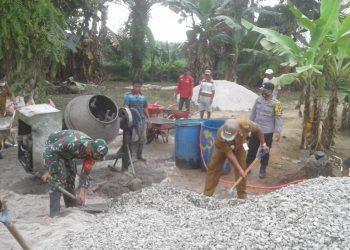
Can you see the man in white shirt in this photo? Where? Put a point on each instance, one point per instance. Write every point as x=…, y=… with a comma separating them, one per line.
x=206, y=94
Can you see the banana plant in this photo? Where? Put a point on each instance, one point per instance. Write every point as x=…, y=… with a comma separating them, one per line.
x=309, y=59
x=201, y=14
x=337, y=63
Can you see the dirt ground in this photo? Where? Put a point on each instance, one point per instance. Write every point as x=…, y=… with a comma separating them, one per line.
x=28, y=198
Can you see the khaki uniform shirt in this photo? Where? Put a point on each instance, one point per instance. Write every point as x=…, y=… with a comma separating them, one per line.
x=245, y=127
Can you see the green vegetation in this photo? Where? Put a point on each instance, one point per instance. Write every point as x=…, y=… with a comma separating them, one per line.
x=31, y=42
x=304, y=42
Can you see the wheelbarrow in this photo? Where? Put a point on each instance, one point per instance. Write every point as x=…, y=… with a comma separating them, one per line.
x=160, y=127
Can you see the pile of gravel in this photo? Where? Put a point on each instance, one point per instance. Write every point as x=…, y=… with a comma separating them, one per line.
x=230, y=96
x=310, y=215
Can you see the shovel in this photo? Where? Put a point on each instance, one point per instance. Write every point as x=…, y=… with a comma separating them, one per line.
x=261, y=154
x=5, y=219
x=92, y=208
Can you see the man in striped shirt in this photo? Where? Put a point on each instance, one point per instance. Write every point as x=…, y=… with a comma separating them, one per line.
x=136, y=101
x=206, y=94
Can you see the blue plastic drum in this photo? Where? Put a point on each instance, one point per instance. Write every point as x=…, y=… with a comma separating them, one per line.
x=209, y=132
x=187, y=134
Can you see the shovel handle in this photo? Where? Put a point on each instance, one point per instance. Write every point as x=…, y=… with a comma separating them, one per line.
x=65, y=192
x=246, y=172
x=261, y=154
x=13, y=230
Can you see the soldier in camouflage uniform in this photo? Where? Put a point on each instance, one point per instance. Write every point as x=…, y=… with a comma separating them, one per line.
x=267, y=112
x=61, y=150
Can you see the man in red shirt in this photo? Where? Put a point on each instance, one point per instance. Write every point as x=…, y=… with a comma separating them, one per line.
x=185, y=89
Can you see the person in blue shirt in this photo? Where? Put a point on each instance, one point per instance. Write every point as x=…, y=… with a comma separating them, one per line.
x=136, y=101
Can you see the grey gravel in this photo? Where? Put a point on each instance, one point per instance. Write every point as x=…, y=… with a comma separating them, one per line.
x=311, y=215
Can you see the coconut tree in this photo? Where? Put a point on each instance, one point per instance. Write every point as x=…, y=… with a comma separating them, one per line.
x=308, y=55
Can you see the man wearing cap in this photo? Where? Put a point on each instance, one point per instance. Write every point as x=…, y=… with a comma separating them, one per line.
x=206, y=94
x=270, y=78
x=185, y=89
x=5, y=91
x=267, y=112
x=229, y=145
x=61, y=150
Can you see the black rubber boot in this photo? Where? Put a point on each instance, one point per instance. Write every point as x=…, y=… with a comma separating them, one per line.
x=55, y=198
x=139, y=153
x=70, y=185
x=262, y=173
x=1, y=155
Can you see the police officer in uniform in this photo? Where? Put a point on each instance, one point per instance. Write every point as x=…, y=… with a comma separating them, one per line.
x=267, y=112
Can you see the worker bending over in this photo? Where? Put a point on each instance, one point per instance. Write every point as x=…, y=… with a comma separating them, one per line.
x=229, y=145
x=61, y=150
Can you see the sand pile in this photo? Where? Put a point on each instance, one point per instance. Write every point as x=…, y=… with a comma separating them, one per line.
x=230, y=96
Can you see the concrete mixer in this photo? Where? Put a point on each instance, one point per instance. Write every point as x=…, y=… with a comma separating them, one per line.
x=96, y=115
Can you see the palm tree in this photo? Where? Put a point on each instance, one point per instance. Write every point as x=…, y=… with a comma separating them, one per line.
x=138, y=30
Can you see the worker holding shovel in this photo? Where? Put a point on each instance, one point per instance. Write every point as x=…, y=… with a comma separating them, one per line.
x=229, y=145
x=61, y=150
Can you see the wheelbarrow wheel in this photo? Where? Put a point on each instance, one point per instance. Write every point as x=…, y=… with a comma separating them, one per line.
x=151, y=135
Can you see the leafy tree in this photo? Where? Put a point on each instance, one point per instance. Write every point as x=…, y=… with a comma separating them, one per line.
x=84, y=38
x=31, y=41
x=197, y=49
x=326, y=37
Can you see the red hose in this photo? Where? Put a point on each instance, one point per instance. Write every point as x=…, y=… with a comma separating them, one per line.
x=227, y=182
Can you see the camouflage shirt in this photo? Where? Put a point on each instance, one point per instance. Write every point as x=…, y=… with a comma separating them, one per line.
x=69, y=145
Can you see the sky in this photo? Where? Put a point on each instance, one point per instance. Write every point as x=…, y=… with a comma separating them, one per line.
x=163, y=22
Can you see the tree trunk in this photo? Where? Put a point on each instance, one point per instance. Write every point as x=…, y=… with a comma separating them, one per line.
x=329, y=124
x=306, y=117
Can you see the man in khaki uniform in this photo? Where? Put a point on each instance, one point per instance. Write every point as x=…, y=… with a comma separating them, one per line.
x=229, y=144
